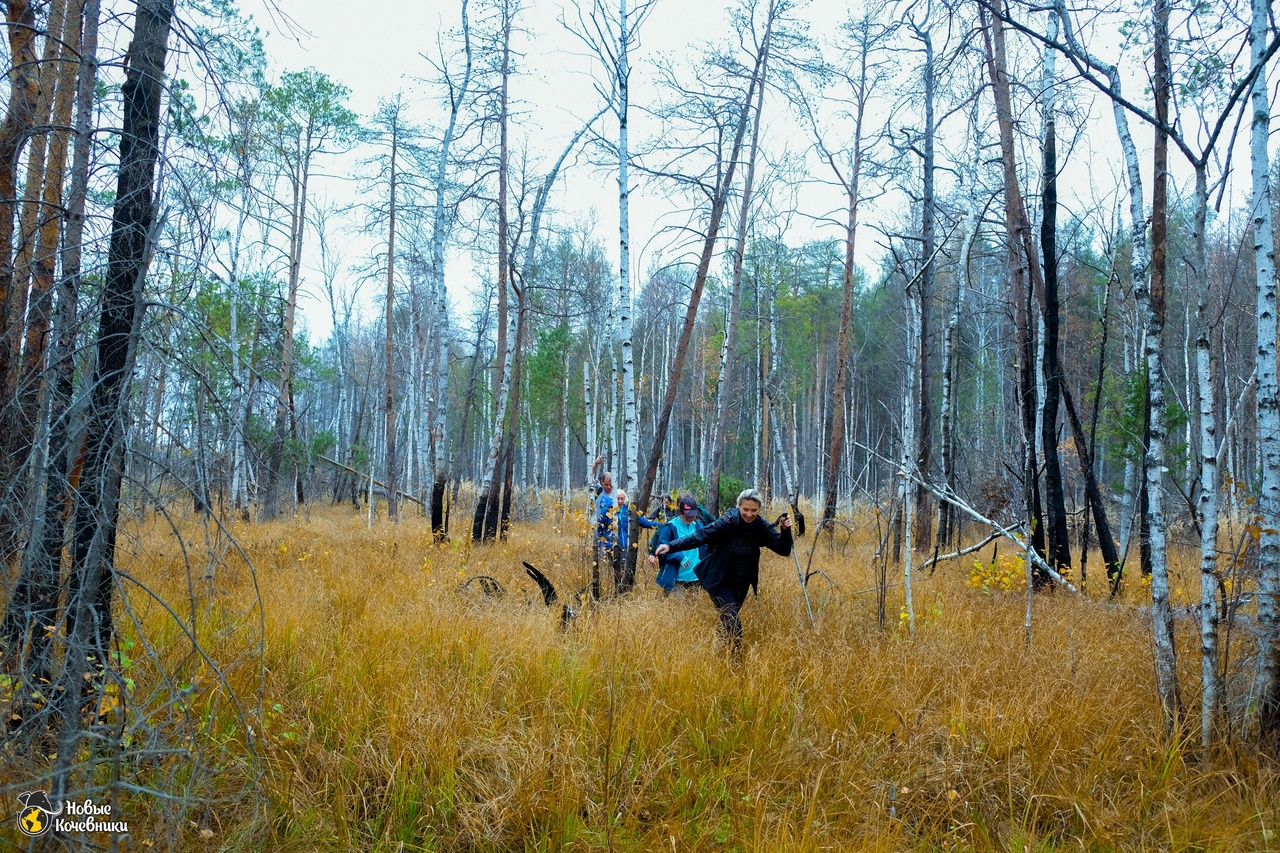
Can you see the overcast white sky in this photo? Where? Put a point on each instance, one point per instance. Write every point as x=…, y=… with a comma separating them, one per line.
x=374, y=48
x=377, y=52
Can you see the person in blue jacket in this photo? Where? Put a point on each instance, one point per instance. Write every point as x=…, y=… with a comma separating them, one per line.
x=678, y=569
x=605, y=530
x=622, y=521
x=732, y=568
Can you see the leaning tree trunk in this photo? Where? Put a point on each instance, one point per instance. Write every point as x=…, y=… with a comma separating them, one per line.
x=1139, y=268
x=89, y=622
x=1018, y=258
x=1093, y=492
x=718, y=202
x=729, y=351
x=1268, y=395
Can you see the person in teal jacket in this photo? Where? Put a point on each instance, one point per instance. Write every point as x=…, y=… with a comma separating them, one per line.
x=678, y=570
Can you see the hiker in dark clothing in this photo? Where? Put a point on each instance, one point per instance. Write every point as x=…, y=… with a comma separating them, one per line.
x=733, y=566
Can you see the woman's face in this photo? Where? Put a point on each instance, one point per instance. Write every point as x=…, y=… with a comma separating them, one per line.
x=748, y=510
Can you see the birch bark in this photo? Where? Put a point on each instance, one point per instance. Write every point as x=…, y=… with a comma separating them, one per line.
x=1268, y=390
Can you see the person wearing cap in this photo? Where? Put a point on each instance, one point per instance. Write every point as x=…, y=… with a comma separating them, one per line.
x=678, y=570
x=732, y=568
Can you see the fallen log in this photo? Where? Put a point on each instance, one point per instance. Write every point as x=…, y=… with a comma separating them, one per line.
x=365, y=476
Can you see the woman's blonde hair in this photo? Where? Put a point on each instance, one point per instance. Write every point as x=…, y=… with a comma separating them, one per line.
x=750, y=495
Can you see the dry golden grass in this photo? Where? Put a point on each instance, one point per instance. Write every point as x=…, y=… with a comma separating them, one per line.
x=399, y=714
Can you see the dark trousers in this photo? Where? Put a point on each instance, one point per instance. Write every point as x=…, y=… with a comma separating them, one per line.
x=728, y=599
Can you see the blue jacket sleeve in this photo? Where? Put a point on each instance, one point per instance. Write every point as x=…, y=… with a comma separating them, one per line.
x=666, y=535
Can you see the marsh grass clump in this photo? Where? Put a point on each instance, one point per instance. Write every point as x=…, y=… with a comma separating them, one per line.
x=380, y=708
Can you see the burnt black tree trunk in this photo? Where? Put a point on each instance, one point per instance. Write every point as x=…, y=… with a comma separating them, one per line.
x=97, y=500
x=1059, y=544
x=928, y=237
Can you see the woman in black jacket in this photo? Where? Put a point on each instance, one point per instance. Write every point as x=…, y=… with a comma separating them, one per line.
x=733, y=566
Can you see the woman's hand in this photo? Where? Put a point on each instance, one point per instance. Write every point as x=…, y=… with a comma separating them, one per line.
x=660, y=550
x=653, y=560
x=786, y=521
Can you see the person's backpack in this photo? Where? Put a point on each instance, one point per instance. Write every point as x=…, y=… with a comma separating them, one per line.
x=655, y=538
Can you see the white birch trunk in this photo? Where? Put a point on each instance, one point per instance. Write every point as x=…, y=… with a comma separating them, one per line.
x=1139, y=269
x=946, y=518
x=440, y=455
x=630, y=428
x=1207, y=505
x=588, y=406
x=500, y=412
x=566, y=484
x=1161, y=614
x=239, y=494
x=611, y=433
x=1268, y=391
x=788, y=481
x=757, y=478
x=389, y=389
x=908, y=468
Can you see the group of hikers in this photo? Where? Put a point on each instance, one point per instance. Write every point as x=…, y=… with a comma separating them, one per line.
x=693, y=548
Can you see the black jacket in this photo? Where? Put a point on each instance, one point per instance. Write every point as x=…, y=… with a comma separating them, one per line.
x=718, y=567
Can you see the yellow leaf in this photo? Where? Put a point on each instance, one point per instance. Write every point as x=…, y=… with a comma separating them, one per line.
x=107, y=704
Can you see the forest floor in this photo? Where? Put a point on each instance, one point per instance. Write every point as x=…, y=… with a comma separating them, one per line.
x=349, y=696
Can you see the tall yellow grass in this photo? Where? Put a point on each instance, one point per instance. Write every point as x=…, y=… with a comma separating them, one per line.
x=398, y=713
